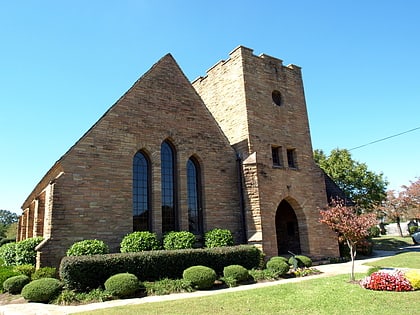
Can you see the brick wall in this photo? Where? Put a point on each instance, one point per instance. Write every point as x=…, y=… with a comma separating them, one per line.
x=93, y=197
x=238, y=92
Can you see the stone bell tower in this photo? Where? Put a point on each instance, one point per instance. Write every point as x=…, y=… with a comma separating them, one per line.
x=260, y=106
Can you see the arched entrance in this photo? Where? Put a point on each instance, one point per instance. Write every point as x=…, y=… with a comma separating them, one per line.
x=287, y=229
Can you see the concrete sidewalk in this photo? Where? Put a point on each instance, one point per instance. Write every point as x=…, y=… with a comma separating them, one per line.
x=48, y=309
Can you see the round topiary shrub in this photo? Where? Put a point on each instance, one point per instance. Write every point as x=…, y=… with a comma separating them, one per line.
x=14, y=285
x=280, y=258
x=42, y=290
x=178, y=240
x=122, y=285
x=6, y=273
x=278, y=266
x=88, y=247
x=236, y=272
x=218, y=238
x=200, y=277
x=302, y=261
x=139, y=241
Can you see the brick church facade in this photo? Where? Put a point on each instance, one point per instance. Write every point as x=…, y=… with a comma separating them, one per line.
x=230, y=150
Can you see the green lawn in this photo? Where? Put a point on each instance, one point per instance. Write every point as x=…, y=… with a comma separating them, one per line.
x=332, y=295
x=391, y=242
x=401, y=260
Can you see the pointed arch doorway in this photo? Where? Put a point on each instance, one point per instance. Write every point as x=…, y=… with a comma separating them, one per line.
x=287, y=229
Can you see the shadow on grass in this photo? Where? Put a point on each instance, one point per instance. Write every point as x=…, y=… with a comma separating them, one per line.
x=391, y=243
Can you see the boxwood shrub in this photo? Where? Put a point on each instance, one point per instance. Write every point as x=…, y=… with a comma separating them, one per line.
x=236, y=272
x=83, y=273
x=122, y=285
x=25, y=251
x=42, y=290
x=88, y=247
x=45, y=272
x=302, y=261
x=200, y=277
x=178, y=240
x=139, y=241
x=6, y=272
x=14, y=285
x=278, y=266
x=218, y=237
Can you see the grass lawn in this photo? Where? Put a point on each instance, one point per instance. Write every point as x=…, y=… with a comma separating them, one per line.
x=401, y=260
x=391, y=242
x=332, y=295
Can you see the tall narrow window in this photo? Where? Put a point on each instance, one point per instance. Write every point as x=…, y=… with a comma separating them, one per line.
x=169, y=200
x=276, y=153
x=195, y=214
x=291, y=158
x=141, y=192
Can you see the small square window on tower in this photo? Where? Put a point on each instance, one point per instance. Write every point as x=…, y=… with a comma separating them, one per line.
x=291, y=158
x=276, y=154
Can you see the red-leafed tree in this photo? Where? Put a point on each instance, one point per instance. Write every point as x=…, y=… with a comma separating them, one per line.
x=412, y=198
x=404, y=204
x=394, y=208
x=348, y=224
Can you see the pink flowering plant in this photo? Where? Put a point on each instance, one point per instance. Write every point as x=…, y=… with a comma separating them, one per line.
x=386, y=281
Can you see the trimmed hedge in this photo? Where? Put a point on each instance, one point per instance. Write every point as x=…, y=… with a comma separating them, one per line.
x=83, y=273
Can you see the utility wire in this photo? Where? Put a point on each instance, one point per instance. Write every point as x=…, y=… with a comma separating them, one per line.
x=396, y=135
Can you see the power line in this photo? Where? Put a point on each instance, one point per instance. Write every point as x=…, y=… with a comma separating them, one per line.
x=386, y=138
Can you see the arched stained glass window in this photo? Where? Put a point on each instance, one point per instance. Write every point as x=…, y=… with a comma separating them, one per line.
x=141, y=192
x=195, y=214
x=169, y=194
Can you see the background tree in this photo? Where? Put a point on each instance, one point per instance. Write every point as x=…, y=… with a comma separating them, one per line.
x=394, y=208
x=348, y=224
x=7, y=218
x=411, y=195
x=364, y=187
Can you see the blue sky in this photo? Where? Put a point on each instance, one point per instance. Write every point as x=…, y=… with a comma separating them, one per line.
x=64, y=63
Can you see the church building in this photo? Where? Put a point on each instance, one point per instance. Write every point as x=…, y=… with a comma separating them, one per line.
x=230, y=150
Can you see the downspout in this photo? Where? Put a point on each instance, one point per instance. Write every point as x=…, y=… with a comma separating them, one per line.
x=241, y=199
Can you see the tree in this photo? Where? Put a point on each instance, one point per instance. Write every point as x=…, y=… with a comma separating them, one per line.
x=365, y=188
x=6, y=219
x=348, y=224
x=393, y=207
x=403, y=204
x=412, y=198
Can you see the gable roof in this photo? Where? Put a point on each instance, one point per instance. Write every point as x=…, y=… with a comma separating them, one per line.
x=164, y=73
x=334, y=192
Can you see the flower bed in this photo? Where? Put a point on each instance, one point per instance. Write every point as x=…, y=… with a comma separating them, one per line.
x=385, y=280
